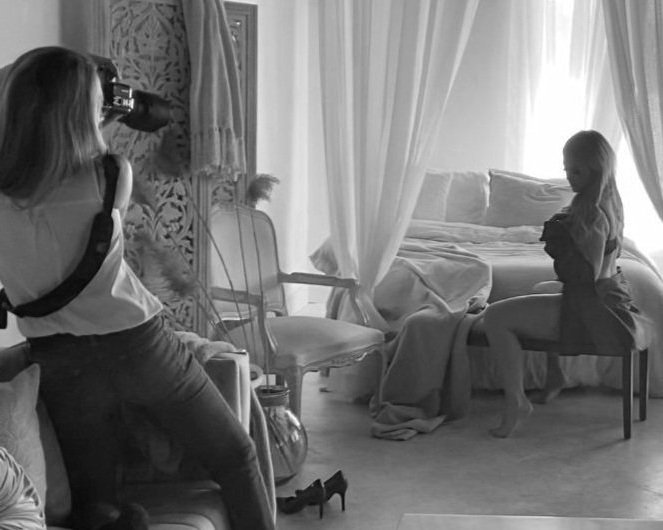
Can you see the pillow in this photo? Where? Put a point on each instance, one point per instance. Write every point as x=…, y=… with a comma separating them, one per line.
x=467, y=200
x=20, y=425
x=454, y=196
x=20, y=505
x=517, y=199
x=560, y=181
x=432, y=201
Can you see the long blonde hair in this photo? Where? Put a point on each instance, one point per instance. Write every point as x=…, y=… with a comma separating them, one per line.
x=600, y=195
x=48, y=122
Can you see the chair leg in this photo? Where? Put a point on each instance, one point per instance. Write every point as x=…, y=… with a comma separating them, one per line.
x=644, y=383
x=627, y=392
x=293, y=379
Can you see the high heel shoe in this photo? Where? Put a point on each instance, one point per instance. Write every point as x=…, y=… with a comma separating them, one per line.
x=314, y=494
x=337, y=483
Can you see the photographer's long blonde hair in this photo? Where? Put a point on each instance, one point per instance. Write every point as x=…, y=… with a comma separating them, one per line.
x=600, y=195
x=48, y=122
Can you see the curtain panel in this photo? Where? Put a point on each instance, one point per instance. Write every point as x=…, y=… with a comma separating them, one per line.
x=634, y=31
x=386, y=71
x=572, y=84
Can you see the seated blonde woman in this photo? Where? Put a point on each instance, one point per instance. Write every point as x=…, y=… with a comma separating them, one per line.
x=591, y=302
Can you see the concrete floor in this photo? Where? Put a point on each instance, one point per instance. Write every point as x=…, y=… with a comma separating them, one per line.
x=569, y=459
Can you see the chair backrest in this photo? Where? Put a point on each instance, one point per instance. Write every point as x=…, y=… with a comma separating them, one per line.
x=244, y=255
x=244, y=260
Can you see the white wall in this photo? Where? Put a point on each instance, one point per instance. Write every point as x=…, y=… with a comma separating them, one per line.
x=25, y=24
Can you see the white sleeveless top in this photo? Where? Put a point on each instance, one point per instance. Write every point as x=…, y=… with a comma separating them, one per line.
x=41, y=246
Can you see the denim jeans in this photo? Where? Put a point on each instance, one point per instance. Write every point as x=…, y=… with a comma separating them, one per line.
x=85, y=379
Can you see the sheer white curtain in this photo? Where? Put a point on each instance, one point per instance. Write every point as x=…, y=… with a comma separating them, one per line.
x=523, y=22
x=386, y=70
x=635, y=43
x=573, y=89
x=589, y=61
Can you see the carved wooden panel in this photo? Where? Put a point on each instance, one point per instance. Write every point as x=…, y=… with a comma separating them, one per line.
x=147, y=40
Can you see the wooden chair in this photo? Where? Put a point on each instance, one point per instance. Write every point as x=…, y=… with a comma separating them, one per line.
x=247, y=286
x=477, y=337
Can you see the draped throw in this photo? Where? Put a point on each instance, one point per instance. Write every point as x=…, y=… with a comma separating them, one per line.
x=217, y=139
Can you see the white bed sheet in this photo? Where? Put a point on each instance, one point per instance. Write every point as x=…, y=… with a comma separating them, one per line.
x=518, y=262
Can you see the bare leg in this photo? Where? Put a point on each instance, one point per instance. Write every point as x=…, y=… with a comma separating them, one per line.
x=516, y=405
x=554, y=380
x=532, y=316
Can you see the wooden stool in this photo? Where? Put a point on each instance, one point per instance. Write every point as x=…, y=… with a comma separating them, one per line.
x=477, y=337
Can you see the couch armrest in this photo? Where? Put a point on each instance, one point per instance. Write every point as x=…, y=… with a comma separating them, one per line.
x=231, y=375
x=229, y=370
x=13, y=359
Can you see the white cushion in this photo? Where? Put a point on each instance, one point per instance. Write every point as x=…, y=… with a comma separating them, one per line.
x=518, y=199
x=453, y=196
x=432, y=201
x=315, y=339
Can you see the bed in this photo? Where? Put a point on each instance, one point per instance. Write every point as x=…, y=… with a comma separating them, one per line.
x=497, y=216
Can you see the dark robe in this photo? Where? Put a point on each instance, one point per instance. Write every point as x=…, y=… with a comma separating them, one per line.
x=598, y=312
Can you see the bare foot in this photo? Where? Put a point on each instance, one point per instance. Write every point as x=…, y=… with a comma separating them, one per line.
x=554, y=385
x=511, y=418
x=547, y=395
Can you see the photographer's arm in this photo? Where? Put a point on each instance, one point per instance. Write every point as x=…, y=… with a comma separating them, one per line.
x=124, y=185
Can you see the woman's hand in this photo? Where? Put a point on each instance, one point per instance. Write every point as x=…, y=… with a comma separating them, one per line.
x=548, y=287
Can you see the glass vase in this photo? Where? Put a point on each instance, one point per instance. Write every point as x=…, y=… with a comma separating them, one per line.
x=288, y=441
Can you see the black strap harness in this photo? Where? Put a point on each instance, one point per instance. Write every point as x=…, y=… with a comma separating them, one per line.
x=95, y=254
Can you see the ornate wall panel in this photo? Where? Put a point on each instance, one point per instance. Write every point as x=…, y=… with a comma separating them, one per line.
x=147, y=40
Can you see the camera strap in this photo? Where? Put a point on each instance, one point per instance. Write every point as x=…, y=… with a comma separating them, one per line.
x=95, y=254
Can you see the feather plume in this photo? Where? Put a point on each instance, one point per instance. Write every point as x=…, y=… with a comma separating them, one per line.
x=166, y=270
x=260, y=188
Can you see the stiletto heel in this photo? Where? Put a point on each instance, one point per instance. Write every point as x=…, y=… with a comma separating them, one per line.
x=337, y=483
x=314, y=494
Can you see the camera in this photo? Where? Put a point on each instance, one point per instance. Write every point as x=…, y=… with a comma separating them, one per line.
x=136, y=109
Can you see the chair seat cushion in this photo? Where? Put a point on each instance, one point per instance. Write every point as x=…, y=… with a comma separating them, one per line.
x=307, y=340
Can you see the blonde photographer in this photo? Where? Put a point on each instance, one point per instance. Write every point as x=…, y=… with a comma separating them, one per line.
x=109, y=344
